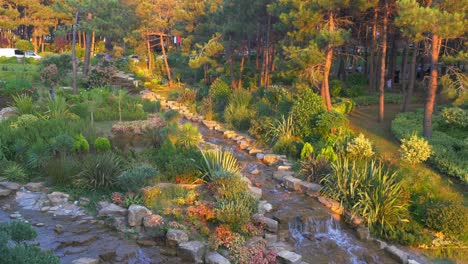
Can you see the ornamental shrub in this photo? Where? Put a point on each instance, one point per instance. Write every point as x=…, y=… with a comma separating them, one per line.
x=360, y=147
x=449, y=218
x=307, y=105
x=81, y=144
x=102, y=144
x=14, y=172
x=100, y=171
x=455, y=116
x=307, y=151
x=415, y=149
x=219, y=92
x=134, y=179
x=236, y=211
x=336, y=86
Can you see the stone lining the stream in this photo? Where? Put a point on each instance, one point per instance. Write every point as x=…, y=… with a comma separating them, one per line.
x=285, y=176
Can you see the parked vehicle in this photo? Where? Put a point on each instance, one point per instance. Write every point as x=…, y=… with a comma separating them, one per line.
x=9, y=53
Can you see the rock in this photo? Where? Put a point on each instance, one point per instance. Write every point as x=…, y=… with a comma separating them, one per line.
x=13, y=186
x=412, y=261
x=59, y=229
x=150, y=221
x=270, y=158
x=45, y=208
x=83, y=201
x=254, y=151
x=255, y=171
x=34, y=186
x=85, y=261
x=7, y=112
x=15, y=216
x=311, y=189
x=284, y=168
x=58, y=198
x=136, y=213
x=279, y=175
x=264, y=207
x=119, y=223
x=288, y=257
x=255, y=192
x=175, y=237
x=270, y=238
x=215, y=258
x=39, y=224
x=4, y=192
x=260, y=156
x=243, y=144
x=112, y=210
x=292, y=183
x=362, y=233
x=397, y=254
x=146, y=242
x=270, y=224
x=331, y=204
x=254, y=241
x=192, y=251
x=6, y=207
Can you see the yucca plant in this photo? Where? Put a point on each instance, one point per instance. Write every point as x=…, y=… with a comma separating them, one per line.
x=218, y=163
x=24, y=103
x=57, y=108
x=188, y=136
x=283, y=128
x=101, y=171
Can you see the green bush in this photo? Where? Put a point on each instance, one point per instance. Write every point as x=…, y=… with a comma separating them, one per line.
x=307, y=151
x=20, y=251
x=327, y=153
x=63, y=63
x=24, y=121
x=326, y=123
x=134, y=179
x=343, y=105
x=62, y=144
x=236, y=211
x=219, y=92
x=238, y=117
x=304, y=110
x=314, y=170
x=101, y=171
x=408, y=234
x=81, y=144
x=102, y=144
x=62, y=170
x=354, y=91
x=455, y=116
x=390, y=98
x=360, y=147
x=449, y=218
x=415, y=149
x=336, y=86
x=177, y=162
x=14, y=172
x=151, y=107
x=287, y=146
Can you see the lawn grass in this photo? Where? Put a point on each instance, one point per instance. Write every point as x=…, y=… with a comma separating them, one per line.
x=423, y=180
x=15, y=72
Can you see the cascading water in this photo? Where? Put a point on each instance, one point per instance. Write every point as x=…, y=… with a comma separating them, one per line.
x=326, y=233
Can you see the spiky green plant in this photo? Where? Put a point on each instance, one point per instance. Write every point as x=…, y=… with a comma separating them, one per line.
x=24, y=103
x=101, y=171
x=188, y=136
x=282, y=128
x=368, y=189
x=218, y=163
x=57, y=108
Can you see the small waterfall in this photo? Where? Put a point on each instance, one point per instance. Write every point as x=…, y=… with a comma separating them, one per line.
x=320, y=232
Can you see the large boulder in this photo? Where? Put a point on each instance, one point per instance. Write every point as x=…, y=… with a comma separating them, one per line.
x=270, y=224
x=174, y=237
x=7, y=112
x=255, y=192
x=34, y=186
x=112, y=210
x=4, y=192
x=292, y=183
x=136, y=213
x=10, y=185
x=288, y=257
x=333, y=205
x=192, y=251
x=270, y=158
x=58, y=198
x=215, y=258
x=85, y=261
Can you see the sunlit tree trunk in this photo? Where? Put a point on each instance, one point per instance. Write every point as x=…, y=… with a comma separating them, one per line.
x=74, y=60
x=324, y=90
x=148, y=50
x=168, y=69
x=412, y=78
x=372, y=61
x=87, y=54
x=432, y=89
x=382, y=64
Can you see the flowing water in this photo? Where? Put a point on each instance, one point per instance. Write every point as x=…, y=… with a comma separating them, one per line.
x=305, y=225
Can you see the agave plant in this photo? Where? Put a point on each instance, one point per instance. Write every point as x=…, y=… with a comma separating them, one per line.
x=57, y=108
x=219, y=163
x=188, y=136
x=283, y=128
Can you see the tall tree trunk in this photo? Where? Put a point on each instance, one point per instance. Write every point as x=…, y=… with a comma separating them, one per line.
x=74, y=60
x=87, y=54
x=230, y=61
x=432, y=89
x=391, y=56
x=404, y=68
x=382, y=64
x=412, y=77
x=241, y=69
x=168, y=69
x=372, y=60
x=149, y=53
x=79, y=39
x=324, y=90
x=93, y=42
